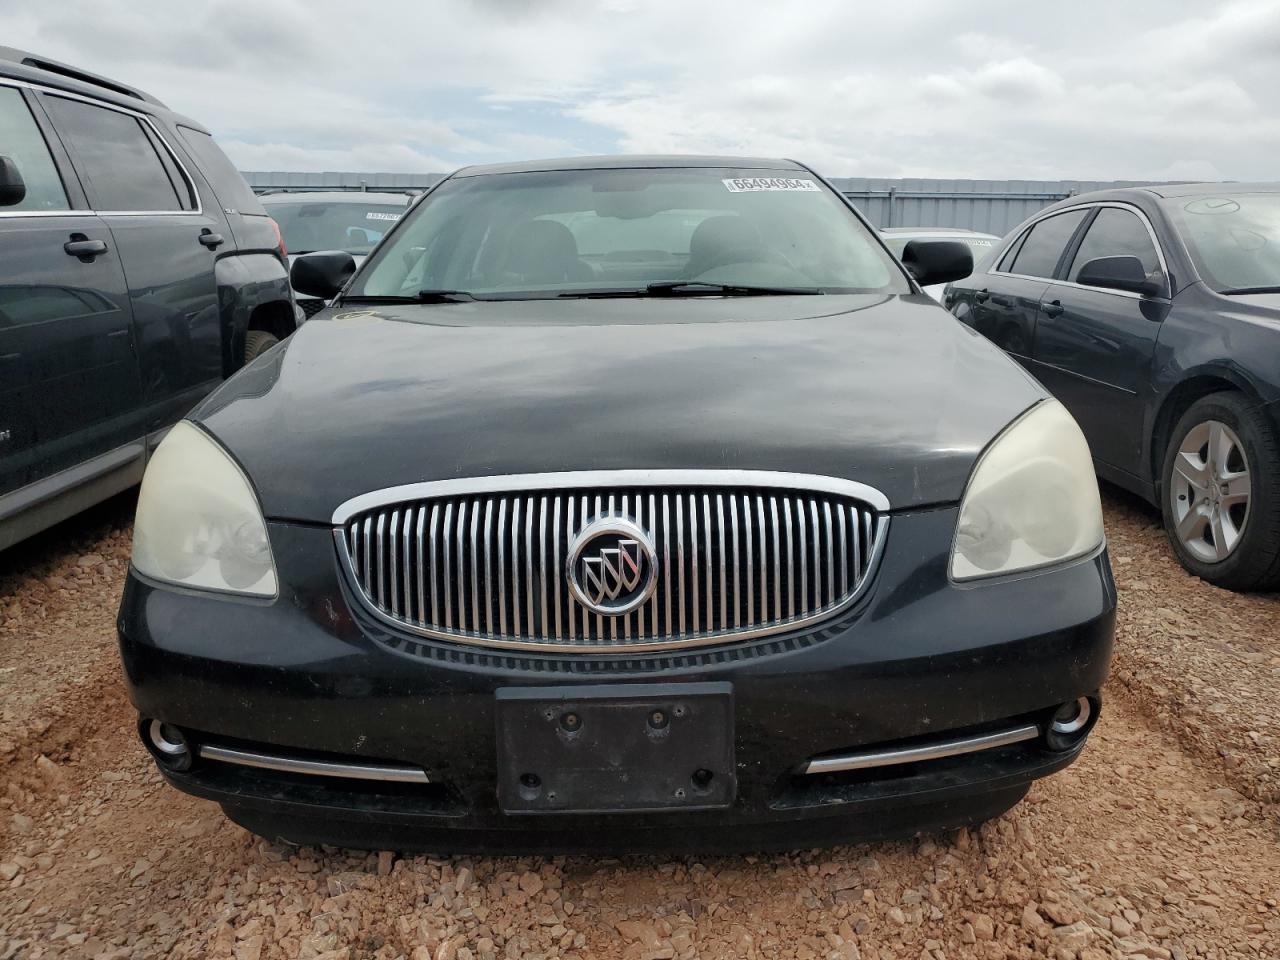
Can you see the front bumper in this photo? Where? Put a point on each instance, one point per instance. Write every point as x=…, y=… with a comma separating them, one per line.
x=919, y=660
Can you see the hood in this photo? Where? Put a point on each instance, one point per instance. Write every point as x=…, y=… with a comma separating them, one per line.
x=1265, y=304
x=888, y=391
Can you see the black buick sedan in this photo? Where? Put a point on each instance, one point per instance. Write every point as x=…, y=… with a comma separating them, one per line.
x=1153, y=314
x=625, y=503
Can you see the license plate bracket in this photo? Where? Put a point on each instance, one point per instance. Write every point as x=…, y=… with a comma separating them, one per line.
x=609, y=748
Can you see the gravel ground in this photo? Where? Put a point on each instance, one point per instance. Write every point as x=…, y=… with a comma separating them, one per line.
x=1160, y=842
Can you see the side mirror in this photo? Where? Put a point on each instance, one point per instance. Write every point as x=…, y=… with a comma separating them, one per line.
x=937, y=261
x=322, y=274
x=1121, y=273
x=12, y=188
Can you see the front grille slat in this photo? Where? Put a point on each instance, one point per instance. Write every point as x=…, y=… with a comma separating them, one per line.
x=542, y=566
x=435, y=594
x=844, y=551
x=857, y=543
x=490, y=567
x=751, y=561
x=737, y=562
x=817, y=552
x=475, y=568
x=571, y=611
x=368, y=540
x=831, y=563
x=422, y=567
x=777, y=562
x=517, y=608
x=378, y=570
x=680, y=557
x=555, y=568
x=448, y=567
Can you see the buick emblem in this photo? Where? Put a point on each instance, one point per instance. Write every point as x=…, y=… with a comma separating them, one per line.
x=612, y=567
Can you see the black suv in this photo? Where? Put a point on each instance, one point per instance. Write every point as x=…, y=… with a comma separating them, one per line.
x=137, y=271
x=1153, y=314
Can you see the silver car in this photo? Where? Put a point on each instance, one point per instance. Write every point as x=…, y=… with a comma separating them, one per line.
x=352, y=221
x=897, y=238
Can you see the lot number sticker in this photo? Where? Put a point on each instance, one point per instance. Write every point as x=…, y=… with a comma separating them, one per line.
x=762, y=184
x=382, y=216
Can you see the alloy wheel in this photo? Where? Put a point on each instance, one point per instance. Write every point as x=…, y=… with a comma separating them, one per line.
x=1209, y=491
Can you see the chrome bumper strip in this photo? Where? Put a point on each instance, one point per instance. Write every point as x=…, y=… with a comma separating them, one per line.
x=932, y=751
x=316, y=768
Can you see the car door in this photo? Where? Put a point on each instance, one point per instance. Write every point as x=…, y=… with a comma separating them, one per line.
x=167, y=245
x=1094, y=347
x=1006, y=304
x=69, y=389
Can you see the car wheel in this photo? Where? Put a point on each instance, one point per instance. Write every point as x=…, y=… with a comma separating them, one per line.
x=1221, y=493
x=258, y=342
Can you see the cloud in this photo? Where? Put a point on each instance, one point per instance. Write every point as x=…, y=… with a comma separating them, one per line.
x=1099, y=90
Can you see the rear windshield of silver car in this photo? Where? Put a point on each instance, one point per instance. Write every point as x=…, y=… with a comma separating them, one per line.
x=1233, y=239
x=567, y=233
x=340, y=225
x=980, y=246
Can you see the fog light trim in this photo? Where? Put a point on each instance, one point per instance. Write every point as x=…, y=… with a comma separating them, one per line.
x=1084, y=710
x=931, y=751
x=156, y=732
x=315, y=768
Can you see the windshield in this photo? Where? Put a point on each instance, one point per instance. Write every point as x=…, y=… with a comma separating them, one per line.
x=311, y=225
x=584, y=232
x=1233, y=240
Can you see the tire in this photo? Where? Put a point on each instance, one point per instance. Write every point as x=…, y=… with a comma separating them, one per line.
x=258, y=342
x=1228, y=536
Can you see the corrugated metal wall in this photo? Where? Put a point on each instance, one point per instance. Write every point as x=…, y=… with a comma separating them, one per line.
x=991, y=206
x=286, y=180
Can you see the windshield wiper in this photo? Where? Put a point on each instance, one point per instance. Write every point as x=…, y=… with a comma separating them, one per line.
x=422, y=296
x=1241, y=291
x=694, y=288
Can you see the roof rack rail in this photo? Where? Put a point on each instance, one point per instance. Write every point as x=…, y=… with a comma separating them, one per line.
x=74, y=73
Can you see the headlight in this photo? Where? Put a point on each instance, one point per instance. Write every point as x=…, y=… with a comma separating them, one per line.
x=198, y=523
x=1032, y=499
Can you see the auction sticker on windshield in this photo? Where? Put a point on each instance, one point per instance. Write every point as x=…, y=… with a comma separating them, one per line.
x=758, y=184
x=381, y=216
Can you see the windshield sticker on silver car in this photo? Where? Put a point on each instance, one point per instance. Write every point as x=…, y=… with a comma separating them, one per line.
x=382, y=216
x=761, y=184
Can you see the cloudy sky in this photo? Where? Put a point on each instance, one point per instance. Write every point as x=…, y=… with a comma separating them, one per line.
x=1095, y=89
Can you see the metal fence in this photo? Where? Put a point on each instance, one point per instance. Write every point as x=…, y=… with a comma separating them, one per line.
x=285, y=181
x=991, y=206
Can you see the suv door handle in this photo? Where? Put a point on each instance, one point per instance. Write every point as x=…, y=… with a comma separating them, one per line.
x=980, y=296
x=1053, y=308
x=210, y=239
x=81, y=246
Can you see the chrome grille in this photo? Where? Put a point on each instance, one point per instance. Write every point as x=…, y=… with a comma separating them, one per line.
x=487, y=566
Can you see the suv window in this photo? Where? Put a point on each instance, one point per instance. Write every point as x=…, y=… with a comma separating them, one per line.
x=1044, y=245
x=1116, y=233
x=21, y=142
x=221, y=173
x=115, y=157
